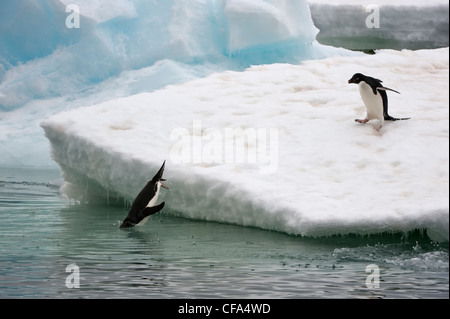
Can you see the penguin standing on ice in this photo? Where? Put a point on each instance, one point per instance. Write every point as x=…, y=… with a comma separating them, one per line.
x=374, y=96
x=145, y=203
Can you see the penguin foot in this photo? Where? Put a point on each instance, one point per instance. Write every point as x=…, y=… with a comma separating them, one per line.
x=362, y=121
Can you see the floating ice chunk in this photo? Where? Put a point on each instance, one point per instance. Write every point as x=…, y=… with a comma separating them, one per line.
x=333, y=176
x=268, y=22
x=382, y=24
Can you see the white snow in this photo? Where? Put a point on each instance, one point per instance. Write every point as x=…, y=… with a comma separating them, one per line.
x=126, y=47
x=307, y=169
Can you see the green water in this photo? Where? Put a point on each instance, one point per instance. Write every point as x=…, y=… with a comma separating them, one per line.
x=170, y=257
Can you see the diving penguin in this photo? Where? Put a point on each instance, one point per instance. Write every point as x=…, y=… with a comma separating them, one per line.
x=145, y=203
x=376, y=104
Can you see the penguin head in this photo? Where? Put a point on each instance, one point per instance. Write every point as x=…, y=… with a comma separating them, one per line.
x=127, y=223
x=158, y=178
x=157, y=186
x=160, y=182
x=357, y=78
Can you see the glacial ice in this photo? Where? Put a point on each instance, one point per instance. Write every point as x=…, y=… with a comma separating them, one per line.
x=127, y=47
x=42, y=58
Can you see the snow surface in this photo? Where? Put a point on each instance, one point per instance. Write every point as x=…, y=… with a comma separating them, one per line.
x=320, y=174
x=126, y=47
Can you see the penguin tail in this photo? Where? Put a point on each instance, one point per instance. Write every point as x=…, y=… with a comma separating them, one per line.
x=390, y=118
x=387, y=89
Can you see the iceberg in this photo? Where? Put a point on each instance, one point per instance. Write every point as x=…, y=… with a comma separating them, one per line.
x=251, y=134
x=45, y=58
x=128, y=47
x=382, y=24
x=275, y=147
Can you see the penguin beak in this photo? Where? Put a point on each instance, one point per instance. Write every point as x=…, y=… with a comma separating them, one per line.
x=350, y=81
x=161, y=181
x=158, y=177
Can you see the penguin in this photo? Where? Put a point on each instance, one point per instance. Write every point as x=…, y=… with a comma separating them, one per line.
x=374, y=96
x=144, y=204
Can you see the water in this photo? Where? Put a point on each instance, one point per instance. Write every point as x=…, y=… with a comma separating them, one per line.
x=170, y=257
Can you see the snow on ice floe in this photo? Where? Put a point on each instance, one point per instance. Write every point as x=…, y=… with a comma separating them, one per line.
x=126, y=47
x=295, y=160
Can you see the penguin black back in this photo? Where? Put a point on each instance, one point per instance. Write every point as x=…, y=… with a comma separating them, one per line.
x=141, y=207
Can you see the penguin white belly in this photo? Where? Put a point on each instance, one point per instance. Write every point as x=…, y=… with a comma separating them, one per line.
x=142, y=222
x=374, y=103
x=151, y=203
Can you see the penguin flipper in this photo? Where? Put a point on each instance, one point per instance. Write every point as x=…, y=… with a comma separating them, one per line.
x=152, y=210
x=374, y=89
x=387, y=89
